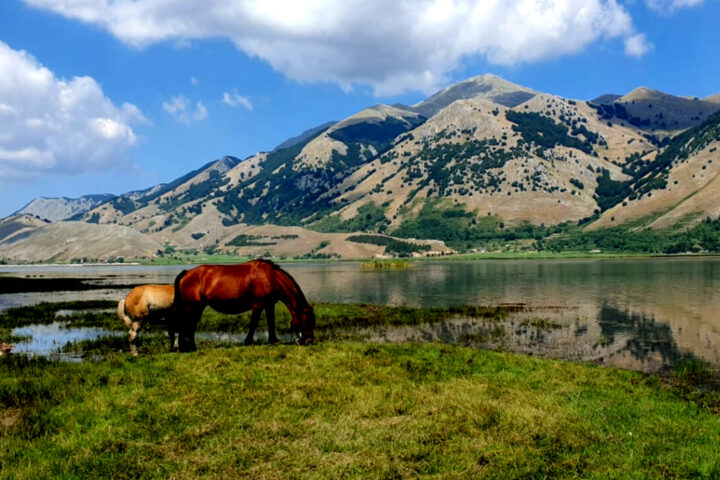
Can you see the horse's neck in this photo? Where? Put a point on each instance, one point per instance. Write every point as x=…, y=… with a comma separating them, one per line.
x=289, y=292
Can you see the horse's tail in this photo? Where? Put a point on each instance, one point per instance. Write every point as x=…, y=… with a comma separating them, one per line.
x=178, y=298
x=122, y=314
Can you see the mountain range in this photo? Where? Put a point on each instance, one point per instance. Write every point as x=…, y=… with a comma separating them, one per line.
x=481, y=160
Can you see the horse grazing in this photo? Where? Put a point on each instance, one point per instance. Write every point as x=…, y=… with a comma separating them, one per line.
x=256, y=285
x=146, y=302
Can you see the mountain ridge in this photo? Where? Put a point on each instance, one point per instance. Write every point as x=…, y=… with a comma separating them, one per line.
x=61, y=208
x=476, y=161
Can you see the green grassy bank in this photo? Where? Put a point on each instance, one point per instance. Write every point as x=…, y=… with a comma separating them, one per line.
x=346, y=410
x=494, y=255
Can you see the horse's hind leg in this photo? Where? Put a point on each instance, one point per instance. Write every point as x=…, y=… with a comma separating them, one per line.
x=174, y=339
x=270, y=314
x=132, y=336
x=254, y=320
x=186, y=325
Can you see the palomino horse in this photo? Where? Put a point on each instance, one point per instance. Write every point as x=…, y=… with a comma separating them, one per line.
x=256, y=285
x=146, y=302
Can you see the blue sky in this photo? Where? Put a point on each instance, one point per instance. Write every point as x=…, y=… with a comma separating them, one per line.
x=110, y=96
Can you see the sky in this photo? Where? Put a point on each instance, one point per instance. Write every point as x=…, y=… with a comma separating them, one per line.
x=110, y=96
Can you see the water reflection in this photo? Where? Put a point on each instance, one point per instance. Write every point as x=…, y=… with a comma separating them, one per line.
x=637, y=313
x=645, y=339
x=48, y=340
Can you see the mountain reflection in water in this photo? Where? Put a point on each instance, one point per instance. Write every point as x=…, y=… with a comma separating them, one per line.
x=640, y=313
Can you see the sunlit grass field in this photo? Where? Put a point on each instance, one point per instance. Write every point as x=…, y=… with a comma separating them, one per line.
x=342, y=408
x=347, y=410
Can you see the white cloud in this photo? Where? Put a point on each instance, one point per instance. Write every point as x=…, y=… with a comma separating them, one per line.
x=179, y=108
x=200, y=111
x=392, y=46
x=669, y=6
x=236, y=100
x=194, y=81
x=54, y=125
x=637, y=45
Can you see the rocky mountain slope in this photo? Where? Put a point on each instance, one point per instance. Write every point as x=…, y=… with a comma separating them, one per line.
x=472, y=162
x=677, y=186
x=71, y=241
x=16, y=227
x=654, y=110
x=54, y=209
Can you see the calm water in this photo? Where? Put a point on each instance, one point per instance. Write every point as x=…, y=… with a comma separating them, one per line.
x=636, y=313
x=50, y=339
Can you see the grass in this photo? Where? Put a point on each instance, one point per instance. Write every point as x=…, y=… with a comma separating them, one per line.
x=535, y=255
x=180, y=258
x=185, y=259
x=346, y=410
x=395, y=264
x=147, y=343
x=501, y=254
x=541, y=323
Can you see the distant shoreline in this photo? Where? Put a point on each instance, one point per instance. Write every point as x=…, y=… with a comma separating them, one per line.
x=94, y=264
x=218, y=259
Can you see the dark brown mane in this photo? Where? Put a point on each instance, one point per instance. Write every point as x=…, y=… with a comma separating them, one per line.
x=301, y=295
x=294, y=282
x=268, y=261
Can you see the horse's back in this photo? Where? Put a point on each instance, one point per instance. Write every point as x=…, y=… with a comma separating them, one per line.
x=148, y=298
x=253, y=279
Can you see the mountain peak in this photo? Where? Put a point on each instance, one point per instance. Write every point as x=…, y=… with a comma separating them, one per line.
x=60, y=208
x=304, y=135
x=713, y=98
x=643, y=93
x=486, y=86
x=655, y=109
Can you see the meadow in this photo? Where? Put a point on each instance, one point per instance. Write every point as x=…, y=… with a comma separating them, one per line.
x=345, y=409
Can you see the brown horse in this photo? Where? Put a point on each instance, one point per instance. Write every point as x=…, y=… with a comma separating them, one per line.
x=256, y=285
x=143, y=303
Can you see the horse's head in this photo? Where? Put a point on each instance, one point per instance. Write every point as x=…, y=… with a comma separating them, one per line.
x=303, y=324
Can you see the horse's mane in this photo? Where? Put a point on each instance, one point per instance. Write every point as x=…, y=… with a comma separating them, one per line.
x=278, y=267
x=269, y=262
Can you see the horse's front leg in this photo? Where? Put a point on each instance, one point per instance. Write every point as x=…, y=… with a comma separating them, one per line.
x=270, y=314
x=254, y=320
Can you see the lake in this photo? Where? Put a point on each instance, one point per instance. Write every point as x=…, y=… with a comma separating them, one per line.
x=644, y=313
